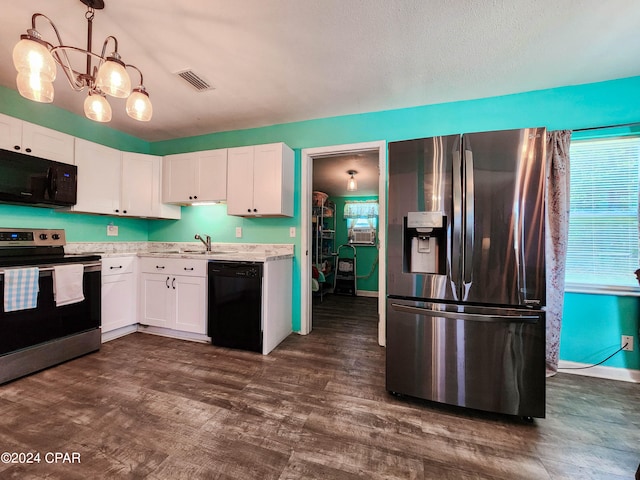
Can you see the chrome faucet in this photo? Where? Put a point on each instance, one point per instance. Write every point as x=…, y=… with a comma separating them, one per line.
x=207, y=242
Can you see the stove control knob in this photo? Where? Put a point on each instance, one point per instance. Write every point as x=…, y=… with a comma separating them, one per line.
x=55, y=236
x=43, y=236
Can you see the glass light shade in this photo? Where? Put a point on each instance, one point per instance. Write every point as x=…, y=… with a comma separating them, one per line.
x=33, y=58
x=33, y=87
x=113, y=78
x=97, y=108
x=139, y=106
x=352, y=185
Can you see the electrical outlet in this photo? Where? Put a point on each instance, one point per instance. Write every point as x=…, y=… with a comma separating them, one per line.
x=112, y=230
x=628, y=341
x=238, y=232
x=292, y=232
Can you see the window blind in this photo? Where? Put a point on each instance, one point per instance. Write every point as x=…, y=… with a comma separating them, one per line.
x=602, y=249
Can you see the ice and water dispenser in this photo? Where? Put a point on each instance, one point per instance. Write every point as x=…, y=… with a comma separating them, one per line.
x=425, y=248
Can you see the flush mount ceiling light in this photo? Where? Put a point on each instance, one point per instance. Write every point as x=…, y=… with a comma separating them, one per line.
x=352, y=185
x=35, y=60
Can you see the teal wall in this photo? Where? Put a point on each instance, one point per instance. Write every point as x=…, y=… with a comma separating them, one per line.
x=592, y=327
x=571, y=107
x=78, y=227
x=366, y=256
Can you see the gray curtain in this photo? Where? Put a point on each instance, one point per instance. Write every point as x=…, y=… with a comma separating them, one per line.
x=557, y=233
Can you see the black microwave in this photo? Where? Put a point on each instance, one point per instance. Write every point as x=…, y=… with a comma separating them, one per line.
x=35, y=181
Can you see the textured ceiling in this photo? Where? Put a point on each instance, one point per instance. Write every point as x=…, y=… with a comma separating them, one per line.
x=279, y=61
x=330, y=174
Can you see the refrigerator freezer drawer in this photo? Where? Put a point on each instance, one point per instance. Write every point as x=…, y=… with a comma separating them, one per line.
x=489, y=360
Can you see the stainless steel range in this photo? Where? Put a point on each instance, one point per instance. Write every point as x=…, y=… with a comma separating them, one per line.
x=32, y=339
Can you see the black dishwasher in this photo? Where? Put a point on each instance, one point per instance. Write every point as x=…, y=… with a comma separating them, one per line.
x=235, y=305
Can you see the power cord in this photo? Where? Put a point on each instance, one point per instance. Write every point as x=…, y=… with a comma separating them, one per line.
x=373, y=268
x=596, y=364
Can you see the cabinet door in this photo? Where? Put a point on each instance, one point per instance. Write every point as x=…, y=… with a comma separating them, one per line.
x=161, y=209
x=137, y=184
x=10, y=133
x=212, y=176
x=156, y=298
x=190, y=304
x=267, y=179
x=179, y=178
x=260, y=180
x=240, y=181
x=46, y=143
x=118, y=301
x=99, y=171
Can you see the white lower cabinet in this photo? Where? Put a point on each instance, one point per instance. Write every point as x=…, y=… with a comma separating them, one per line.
x=173, y=294
x=118, y=293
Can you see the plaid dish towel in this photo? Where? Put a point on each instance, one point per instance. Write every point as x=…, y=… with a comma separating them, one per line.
x=20, y=288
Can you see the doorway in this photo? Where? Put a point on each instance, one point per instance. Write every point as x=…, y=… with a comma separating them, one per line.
x=316, y=154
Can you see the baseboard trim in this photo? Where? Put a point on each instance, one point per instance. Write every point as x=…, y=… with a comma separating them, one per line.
x=610, y=373
x=119, y=332
x=167, y=332
x=367, y=293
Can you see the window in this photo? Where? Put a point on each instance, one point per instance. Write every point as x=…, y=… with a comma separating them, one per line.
x=603, y=225
x=362, y=221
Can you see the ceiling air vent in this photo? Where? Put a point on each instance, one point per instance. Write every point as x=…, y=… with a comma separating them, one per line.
x=195, y=80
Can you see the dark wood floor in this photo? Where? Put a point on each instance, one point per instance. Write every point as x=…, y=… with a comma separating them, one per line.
x=315, y=408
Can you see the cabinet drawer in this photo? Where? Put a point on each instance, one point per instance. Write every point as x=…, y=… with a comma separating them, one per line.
x=174, y=266
x=117, y=265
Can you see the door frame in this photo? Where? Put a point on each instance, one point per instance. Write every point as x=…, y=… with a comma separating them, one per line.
x=307, y=157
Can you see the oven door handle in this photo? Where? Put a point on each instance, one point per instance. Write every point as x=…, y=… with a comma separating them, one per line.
x=46, y=271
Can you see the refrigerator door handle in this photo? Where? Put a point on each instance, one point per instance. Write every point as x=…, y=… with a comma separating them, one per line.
x=456, y=247
x=476, y=317
x=469, y=221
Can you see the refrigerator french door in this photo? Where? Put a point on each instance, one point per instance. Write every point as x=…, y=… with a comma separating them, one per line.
x=465, y=270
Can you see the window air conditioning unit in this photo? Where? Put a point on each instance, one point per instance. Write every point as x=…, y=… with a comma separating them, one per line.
x=363, y=235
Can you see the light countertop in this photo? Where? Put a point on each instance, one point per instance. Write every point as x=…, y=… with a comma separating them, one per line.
x=241, y=252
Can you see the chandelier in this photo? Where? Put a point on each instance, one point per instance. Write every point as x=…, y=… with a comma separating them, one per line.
x=35, y=60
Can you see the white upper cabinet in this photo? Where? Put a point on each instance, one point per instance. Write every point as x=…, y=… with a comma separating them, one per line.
x=141, y=181
x=111, y=182
x=99, y=171
x=31, y=139
x=195, y=177
x=260, y=181
x=11, y=133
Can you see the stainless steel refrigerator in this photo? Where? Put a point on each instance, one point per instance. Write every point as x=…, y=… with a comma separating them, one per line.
x=466, y=270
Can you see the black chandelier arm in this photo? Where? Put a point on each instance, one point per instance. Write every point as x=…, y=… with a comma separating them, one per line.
x=104, y=45
x=77, y=80
x=53, y=26
x=137, y=70
x=70, y=73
